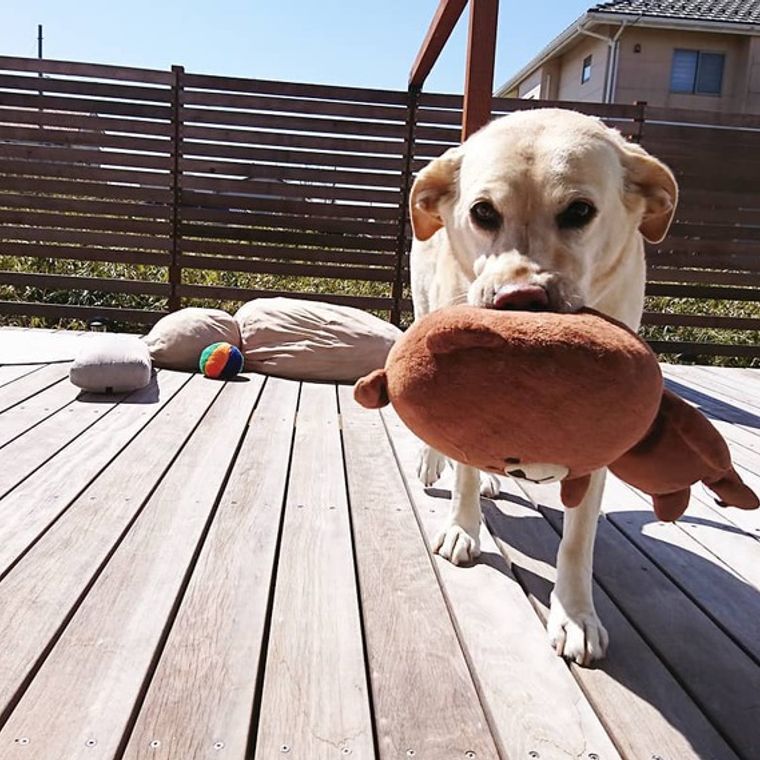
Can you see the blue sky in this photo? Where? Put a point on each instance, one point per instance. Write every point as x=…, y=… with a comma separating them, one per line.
x=368, y=43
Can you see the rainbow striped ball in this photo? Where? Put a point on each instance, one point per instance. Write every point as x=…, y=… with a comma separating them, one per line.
x=221, y=361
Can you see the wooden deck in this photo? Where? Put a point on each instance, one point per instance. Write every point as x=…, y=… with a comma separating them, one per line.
x=241, y=570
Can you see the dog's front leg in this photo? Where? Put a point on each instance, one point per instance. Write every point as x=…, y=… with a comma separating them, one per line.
x=574, y=627
x=459, y=540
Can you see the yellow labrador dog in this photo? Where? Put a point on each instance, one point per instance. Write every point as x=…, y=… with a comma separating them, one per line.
x=544, y=209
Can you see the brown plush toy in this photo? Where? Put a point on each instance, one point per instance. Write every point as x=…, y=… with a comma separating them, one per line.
x=547, y=396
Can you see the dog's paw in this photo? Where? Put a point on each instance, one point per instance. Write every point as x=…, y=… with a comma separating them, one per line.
x=430, y=466
x=576, y=635
x=456, y=545
x=489, y=485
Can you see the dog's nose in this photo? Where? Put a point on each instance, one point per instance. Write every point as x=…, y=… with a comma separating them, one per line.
x=521, y=297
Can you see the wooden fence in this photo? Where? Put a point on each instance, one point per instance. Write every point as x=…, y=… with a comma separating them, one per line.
x=125, y=193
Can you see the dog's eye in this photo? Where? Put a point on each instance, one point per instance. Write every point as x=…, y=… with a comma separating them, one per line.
x=578, y=214
x=485, y=215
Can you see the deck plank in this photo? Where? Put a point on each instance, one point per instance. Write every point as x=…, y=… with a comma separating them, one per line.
x=534, y=703
x=712, y=583
x=202, y=692
x=9, y=373
x=315, y=700
x=716, y=379
x=36, y=503
x=32, y=384
x=645, y=710
x=42, y=442
x=24, y=416
x=59, y=567
x=108, y=647
x=719, y=676
x=426, y=704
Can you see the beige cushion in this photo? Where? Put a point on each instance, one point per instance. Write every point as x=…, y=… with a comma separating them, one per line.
x=177, y=340
x=311, y=340
x=111, y=363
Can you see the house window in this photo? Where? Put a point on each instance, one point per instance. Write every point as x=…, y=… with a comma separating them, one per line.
x=586, y=70
x=696, y=72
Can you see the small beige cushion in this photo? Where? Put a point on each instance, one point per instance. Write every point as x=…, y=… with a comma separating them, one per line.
x=177, y=340
x=111, y=363
x=311, y=340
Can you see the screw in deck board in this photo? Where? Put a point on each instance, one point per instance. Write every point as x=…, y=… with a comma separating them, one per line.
x=155, y=744
x=22, y=740
x=410, y=753
x=285, y=748
x=91, y=743
x=593, y=756
x=218, y=745
x=533, y=754
x=470, y=755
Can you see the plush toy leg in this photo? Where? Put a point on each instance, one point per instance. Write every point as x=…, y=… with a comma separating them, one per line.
x=459, y=540
x=732, y=492
x=671, y=506
x=573, y=626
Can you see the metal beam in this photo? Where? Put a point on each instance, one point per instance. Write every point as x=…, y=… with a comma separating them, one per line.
x=481, y=51
x=443, y=23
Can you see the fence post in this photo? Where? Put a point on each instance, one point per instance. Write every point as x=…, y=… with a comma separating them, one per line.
x=413, y=96
x=175, y=269
x=639, y=120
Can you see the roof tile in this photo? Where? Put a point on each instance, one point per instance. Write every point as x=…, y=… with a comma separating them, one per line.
x=726, y=11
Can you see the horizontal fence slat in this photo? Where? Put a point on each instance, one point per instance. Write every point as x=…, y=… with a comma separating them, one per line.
x=89, y=88
x=317, y=106
x=702, y=291
x=89, y=207
x=84, y=105
x=291, y=123
x=83, y=253
x=69, y=221
x=71, y=311
x=85, y=122
x=77, y=69
x=75, y=282
x=79, y=138
x=258, y=154
x=244, y=294
x=83, y=156
x=714, y=231
x=73, y=188
x=702, y=320
x=344, y=143
x=704, y=349
x=210, y=233
x=253, y=187
x=294, y=89
x=86, y=237
x=698, y=117
x=295, y=269
x=376, y=229
x=280, y=172
x=254, y=251
x=257, y=202
x=20, y=168
x=708, y=276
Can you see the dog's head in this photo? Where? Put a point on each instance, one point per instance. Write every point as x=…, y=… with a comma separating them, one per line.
x=540, y=205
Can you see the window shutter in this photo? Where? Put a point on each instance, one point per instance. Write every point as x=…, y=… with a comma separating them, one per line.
x=683, y=71
x=710, y=73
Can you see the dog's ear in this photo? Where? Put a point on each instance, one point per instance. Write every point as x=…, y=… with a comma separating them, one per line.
x=434, y=183
x=652, y=180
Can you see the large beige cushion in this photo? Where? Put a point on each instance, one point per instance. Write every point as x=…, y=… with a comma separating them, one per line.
x=177, y=340
x=110, y=363
x=311, y=340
